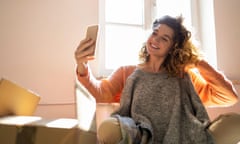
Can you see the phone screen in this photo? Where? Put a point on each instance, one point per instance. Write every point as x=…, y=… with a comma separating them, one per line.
x=92, y=32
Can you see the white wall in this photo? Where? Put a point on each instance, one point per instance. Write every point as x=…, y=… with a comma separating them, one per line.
x=227, y=22
x=228, y=36
x=37, y=43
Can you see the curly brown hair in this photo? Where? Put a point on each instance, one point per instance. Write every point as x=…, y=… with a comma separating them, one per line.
x=183, y=51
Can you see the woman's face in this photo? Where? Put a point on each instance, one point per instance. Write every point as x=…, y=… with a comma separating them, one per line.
x=160, y=41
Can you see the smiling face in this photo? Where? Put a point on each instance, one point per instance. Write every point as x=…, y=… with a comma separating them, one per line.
x=160, y=41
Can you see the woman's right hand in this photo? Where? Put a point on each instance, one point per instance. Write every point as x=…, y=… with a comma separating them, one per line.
x=82, y=55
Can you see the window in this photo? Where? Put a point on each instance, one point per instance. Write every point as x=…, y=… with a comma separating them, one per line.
x=125, y=25
x=174, y=8
x=122, y=33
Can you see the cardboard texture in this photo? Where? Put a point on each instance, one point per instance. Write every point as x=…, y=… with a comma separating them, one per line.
x=35, y=130
x=16, y=100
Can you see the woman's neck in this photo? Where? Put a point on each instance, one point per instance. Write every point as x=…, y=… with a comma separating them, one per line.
x=153, y=66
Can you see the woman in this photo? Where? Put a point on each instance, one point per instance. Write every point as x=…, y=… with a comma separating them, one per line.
x=168, y=55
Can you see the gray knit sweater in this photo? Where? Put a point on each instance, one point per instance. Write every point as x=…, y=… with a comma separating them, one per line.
x=167, y=107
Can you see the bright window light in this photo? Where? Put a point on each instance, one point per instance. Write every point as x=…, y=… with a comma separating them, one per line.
x=174, y=8
x=86, y=107
x=19, y=120
x=124, y=11
x=122, y=45
x=63, y=123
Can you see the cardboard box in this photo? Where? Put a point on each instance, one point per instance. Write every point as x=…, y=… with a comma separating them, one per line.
x=16, y=100
x=35, y=130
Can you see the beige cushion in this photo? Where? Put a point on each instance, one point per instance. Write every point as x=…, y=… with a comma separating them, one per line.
x=226, y=128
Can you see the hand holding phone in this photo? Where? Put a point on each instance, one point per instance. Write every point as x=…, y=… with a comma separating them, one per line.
x=92, y=32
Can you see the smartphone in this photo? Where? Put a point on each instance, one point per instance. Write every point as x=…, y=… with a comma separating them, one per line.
x=92, y=32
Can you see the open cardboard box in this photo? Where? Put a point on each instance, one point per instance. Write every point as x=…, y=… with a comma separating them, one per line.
x=16, y=100
x=18, y=126
x=35, y=130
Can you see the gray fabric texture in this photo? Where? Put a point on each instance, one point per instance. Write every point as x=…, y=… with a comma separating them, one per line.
x=167, y=107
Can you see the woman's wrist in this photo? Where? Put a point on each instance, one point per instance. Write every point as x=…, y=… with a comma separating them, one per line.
x=82, y=69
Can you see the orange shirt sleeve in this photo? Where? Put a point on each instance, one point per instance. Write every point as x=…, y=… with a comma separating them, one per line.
x=109, y=89
x=212, y=86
